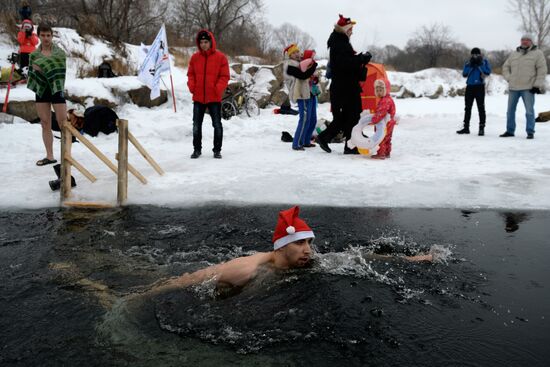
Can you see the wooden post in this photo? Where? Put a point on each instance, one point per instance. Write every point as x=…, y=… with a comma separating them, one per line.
x=66, y=144
x=135, y=172
x=122, y=175
x=144, y=153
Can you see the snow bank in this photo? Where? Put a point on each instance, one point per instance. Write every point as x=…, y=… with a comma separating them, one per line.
x=440, y=82
x=431, y=166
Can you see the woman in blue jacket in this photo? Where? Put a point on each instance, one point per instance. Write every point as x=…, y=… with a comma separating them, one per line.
x=475, y=70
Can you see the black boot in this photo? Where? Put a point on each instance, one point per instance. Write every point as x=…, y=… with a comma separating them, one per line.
x=465, y=130
x=322, y=143
x=196, y=154
x=350, y=150
x=481, y=130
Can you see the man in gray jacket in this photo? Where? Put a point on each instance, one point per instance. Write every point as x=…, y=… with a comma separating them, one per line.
x=525, y=71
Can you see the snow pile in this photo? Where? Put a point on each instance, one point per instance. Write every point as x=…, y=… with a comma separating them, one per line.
x=82, y=52
x=261, y=84
x=431, y=166
x=438, y=82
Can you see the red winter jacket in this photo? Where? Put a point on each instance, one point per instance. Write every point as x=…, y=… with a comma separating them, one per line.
x=208, y=74
x=27, y=45
x=384, y=106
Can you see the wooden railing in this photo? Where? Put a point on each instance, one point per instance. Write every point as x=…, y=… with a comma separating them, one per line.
x=67, y=161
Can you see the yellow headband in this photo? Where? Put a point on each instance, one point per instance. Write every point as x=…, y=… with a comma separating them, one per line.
x=292, y=49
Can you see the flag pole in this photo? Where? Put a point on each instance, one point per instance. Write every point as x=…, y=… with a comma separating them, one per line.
x=172, y=90
x=173, y=94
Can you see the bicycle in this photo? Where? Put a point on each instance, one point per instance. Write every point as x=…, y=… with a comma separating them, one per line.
x=234, y=104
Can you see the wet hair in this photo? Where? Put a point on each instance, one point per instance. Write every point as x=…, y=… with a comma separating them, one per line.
x=44, y=28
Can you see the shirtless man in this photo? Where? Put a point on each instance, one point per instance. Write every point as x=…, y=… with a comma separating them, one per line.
x=291, y=249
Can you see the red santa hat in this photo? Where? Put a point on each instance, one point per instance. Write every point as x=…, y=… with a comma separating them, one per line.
x=344, y=24
x=290, y=228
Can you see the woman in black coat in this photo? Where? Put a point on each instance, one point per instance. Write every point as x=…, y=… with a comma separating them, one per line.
x=348, y=70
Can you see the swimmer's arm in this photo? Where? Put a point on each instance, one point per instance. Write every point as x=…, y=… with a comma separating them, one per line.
x=186, y=280
x=417, y=258
x=236, y=272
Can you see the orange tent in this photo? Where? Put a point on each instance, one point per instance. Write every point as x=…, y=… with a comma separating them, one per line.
x=368, y=98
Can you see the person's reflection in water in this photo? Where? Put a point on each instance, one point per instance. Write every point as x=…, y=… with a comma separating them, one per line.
x=512, y=220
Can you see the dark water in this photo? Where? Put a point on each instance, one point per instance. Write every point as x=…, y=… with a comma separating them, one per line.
x=66, y=276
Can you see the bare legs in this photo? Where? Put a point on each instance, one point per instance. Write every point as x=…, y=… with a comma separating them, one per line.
x=45, y=116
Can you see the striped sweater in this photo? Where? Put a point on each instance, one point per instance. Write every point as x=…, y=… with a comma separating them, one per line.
x=53, y=71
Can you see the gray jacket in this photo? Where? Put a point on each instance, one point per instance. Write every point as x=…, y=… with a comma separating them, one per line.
x=525, y=69
x=297, y=88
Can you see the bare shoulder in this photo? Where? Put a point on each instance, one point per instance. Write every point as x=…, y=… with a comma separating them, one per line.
x=240, y=270
x=251, y=261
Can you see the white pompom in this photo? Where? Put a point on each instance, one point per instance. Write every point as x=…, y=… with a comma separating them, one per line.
x=290, y=230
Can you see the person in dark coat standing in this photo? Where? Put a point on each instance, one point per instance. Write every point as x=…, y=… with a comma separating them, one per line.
x=348, y=70
x=207, y=78
x=475, y=70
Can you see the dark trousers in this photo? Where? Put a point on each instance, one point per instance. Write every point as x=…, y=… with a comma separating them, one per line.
x=215, y=111
x=23, y=60
x=346, y=112
x=477, y=93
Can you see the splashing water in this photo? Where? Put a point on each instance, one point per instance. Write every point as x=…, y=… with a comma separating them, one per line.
x=441, y=254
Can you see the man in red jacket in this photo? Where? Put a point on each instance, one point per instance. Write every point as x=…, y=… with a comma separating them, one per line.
x=207, y=78
x=27, y=42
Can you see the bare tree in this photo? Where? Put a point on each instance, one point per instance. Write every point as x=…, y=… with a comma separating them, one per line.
x=128, y=20
x=288, y=33
x=431, y=43
x=218, y=16
x=535, y=18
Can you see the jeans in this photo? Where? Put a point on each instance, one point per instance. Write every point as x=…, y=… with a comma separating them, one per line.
x=529, y=102
x=477, y=93
x=301, y=137
x=215, y=110
x=312, y=118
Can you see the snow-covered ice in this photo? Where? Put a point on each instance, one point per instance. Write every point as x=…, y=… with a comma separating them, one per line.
x=431, y=166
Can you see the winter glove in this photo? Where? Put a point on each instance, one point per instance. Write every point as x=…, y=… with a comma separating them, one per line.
x=365, y=57
x=535, y=90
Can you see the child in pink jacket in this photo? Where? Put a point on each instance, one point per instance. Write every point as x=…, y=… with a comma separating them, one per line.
x=385, y=106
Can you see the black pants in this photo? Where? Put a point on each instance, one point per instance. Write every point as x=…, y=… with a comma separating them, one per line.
x=23, y=60
x=215, y=110
x=476, y=92
x=346, y=112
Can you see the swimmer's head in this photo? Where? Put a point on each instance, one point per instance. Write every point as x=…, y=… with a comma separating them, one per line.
x=290, y=228
x=297, y=254
x=293, y=237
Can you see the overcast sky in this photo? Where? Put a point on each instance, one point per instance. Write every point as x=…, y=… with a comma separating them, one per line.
x=476, y=23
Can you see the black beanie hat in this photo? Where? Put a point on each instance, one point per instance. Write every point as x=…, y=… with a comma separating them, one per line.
x=475, y=51
x=204, y=36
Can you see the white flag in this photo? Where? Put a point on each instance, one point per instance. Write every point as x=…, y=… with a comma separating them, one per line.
x=157, y=61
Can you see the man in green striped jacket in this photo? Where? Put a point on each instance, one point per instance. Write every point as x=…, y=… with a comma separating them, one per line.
x=47, y=68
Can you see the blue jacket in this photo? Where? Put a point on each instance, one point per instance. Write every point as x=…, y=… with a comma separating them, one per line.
x=474, y=73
